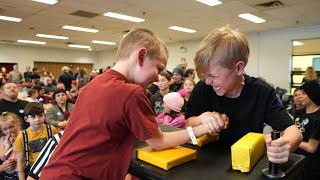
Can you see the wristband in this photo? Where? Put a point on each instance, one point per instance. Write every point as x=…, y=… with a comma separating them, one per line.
x=192, y=136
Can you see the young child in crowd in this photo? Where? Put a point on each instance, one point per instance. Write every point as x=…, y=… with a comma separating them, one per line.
x=37, y=135
x=173, y=102
x=11, y=126
x=308, y=121
x=102, y=129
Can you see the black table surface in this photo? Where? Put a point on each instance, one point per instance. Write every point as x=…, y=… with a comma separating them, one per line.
x=213, y=162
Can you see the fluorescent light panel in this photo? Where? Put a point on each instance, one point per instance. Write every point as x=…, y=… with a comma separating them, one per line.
x=252, y=18
x=79, y=46
x=51, y=2
x=51, y=36
x=31, y=42
x=177, y=28
x=210, y=2
x=297, y=43
x=103, y=42
x=123, y=17
x=7, y=18
x=75, y=28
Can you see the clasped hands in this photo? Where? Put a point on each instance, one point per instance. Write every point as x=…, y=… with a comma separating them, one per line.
x=214, y=121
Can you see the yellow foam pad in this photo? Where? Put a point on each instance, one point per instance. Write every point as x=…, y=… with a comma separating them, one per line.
x=247, y=151
x=205, y=139
x=168, y=158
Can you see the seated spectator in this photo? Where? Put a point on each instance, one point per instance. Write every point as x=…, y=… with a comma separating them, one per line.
x=156, y=100
x=190, y=73
x=297, y=103
x=178, y=79
x=33, y=95
x=59, y=113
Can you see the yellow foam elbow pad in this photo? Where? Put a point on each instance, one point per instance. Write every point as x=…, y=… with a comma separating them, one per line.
x=205, y=139
x=247, y=151
x=168, y=158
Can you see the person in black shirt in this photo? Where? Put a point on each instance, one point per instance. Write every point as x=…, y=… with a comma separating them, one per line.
x=11, y=103
x=248, y=102
x=308, y=122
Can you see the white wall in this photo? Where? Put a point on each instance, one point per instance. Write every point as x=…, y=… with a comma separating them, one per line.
x=271, y=59
x=26, y=55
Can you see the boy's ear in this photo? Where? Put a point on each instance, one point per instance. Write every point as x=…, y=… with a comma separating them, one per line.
x=240, y=68
x=140, y=55
x=25, y=118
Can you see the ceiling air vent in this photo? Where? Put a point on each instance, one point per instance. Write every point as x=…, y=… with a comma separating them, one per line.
x=270, y=5
x=85, y=14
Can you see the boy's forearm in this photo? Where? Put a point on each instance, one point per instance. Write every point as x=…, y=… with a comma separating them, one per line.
x=193, y=121
x=171, y=139
x=294, y=136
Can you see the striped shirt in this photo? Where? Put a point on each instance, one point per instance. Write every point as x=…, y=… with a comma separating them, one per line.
x=44, y=156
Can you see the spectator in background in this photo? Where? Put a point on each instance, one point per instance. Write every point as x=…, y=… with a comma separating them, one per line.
x=69, y=96
x=66, y=78
x=11, y=103
x=190, y=73
x=177, y=78
x=58, y=114
x=76, y=73
x=15, y=75
x=28, y=73
x=183, y=64
x=33, y=95
x=93, y=74
x=35, y=74
x=310, y=74
x=82, y=78
x=23, y=91
x=2, y=81
x=44, y=77
x=4, y=73
x=50, y=87
x=297, y=103
x=156, y=100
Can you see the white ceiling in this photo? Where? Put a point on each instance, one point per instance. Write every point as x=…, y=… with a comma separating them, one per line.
x=158, y=15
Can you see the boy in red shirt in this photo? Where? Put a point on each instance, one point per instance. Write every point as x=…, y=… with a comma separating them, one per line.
x=112, y=112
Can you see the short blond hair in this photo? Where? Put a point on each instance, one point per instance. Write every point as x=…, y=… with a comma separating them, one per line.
x=225, y=45
x=7, y=116
x=138, y=38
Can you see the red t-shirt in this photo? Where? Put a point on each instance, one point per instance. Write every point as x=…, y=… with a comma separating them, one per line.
x=108, y=116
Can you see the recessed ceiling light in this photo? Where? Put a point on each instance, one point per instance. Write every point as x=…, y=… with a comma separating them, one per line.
x=123, y=17
x=79, y=46
x=75, y=28
x=51, y=2
x=31, y=42
x=210, y=2
x=103, y=42
x=252, y=18
x=177, y=28
x=90, y=49
x=51, y=36
x=297, y=43
x=7, y=18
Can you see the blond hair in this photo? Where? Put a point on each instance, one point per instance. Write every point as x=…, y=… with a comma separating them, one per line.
x=138, y=38
x=224, y=45
x=310, y=74
x=6, y=116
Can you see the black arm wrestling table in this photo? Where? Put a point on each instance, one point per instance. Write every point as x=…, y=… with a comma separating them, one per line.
x=213, y=162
